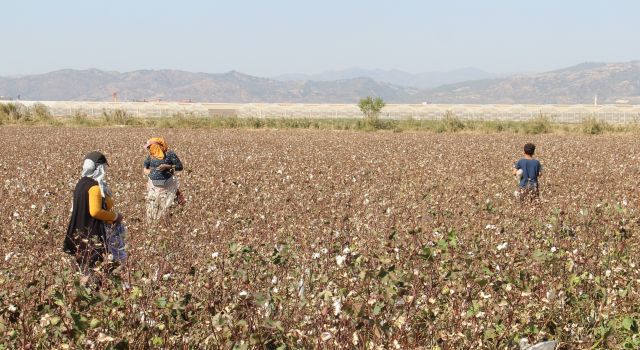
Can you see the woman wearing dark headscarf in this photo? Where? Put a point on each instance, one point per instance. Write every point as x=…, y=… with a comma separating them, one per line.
x=162, y=187
x=90, y=227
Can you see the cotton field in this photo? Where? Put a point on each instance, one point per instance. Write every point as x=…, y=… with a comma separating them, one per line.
x=328, y=239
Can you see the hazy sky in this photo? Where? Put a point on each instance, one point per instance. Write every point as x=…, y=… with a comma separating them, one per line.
x=267, y=38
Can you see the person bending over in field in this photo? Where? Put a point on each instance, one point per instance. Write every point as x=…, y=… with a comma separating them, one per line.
x=527, y=170
x=162, y=188
x=94, y=228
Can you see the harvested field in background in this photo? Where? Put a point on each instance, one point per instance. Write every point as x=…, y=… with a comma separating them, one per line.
x=328, y=239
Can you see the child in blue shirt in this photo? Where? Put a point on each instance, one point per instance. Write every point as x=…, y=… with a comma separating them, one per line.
x=531, y=171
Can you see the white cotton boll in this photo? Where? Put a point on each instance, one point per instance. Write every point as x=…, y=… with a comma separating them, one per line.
x=103, y=338
x=502, y=246
x=337, y=306
x=547, y=345
x=340, y=259
x=519, y=175
x=551, y=294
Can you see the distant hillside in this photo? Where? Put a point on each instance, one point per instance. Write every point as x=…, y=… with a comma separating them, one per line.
x=611, y=82
x=97, y=85
x=396, y=77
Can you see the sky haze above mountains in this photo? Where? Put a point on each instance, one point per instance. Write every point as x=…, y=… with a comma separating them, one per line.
x=278, y=38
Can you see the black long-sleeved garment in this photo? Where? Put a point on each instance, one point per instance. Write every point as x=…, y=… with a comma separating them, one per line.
x=85, y=234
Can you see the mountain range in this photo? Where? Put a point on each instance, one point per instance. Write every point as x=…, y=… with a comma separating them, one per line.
x=396, y=77
x=611, y=82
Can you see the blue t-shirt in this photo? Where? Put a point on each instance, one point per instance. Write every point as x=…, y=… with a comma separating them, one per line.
x=531, y=168
x=169, y=158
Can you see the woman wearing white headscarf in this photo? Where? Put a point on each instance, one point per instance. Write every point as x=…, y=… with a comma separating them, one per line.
x=92, y=215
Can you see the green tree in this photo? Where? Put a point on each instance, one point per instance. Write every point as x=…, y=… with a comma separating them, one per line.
x=371, y=108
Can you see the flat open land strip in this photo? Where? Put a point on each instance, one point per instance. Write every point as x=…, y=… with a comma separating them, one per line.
x=618, y=113
x=328, y=239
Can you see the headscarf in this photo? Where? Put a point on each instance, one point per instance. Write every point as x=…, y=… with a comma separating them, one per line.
x=157, y=147
x=97, y=172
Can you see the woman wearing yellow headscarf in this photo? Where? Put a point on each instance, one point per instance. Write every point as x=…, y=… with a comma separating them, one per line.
x=157, y=147
x=162, y=188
